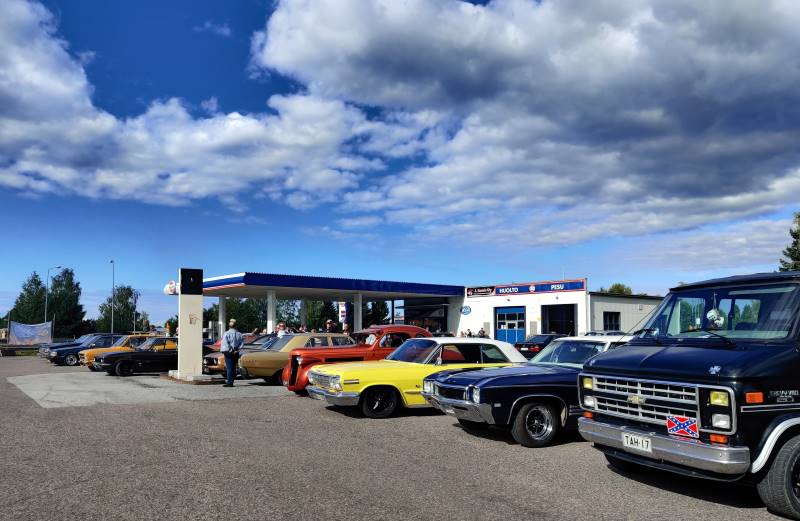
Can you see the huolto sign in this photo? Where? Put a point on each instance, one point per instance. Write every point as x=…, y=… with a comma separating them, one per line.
x=533, y=287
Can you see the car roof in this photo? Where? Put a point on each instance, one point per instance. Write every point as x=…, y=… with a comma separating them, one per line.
x=773, y=276
x=597, y=338
x=508, y=350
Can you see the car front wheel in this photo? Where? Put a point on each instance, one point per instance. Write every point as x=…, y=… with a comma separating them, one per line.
x=780, y=487
x=71, y=360
x=123, y=369
x=379, y=402
x=536, y=425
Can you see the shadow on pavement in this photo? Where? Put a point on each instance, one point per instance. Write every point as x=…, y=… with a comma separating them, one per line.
x=724, y=493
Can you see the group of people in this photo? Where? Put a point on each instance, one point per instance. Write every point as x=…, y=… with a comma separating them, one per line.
x=469, y=334
x=282, y=329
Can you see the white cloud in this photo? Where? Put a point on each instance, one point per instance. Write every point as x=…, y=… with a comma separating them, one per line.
x=210, y=27
x=558, y=122
x=210, y=105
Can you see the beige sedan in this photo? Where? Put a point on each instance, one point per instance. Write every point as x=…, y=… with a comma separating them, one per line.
x=268, y=364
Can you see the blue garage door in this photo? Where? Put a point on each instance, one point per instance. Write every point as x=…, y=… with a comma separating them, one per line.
x=509, y=324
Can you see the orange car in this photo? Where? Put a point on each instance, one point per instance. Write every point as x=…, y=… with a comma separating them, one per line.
x=373, y=343
x=125, y=343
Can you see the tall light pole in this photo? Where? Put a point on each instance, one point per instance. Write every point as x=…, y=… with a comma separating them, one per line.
x=113, y=285
x=47, y=289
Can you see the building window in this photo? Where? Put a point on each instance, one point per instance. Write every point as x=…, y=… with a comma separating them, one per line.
x=611, y=321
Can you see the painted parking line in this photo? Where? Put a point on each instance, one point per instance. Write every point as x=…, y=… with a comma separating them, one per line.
x=84, y=389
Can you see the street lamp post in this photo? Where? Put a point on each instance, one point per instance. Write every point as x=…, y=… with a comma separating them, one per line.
x=47, y=289
x=113, y=285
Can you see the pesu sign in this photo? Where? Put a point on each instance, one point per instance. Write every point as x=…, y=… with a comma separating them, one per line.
x=533, y=287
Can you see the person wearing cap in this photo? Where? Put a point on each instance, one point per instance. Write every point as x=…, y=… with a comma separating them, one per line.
x=330, y=326
x=232, y=341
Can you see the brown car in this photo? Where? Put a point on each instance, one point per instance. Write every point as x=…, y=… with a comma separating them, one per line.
x=269, y=363
x=214, y=363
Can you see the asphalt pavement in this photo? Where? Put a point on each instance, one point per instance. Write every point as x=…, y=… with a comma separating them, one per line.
x=265, y=454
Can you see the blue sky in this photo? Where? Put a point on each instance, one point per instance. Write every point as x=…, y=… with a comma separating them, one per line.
x=648, y=143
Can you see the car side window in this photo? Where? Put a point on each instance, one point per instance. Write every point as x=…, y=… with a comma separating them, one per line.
x=342, y=341
x=105, y=341
x=317, y=341
x=491, y=354
x=393, y=340
x=159, y=344
x=136, y=341
x=170, y=344
x=461, y=354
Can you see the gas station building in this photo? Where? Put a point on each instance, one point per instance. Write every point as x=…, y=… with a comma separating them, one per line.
x=508, y=312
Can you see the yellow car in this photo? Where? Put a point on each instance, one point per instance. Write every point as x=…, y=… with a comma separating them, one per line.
x=268, y=364
x=380, y=387
x=125, y=343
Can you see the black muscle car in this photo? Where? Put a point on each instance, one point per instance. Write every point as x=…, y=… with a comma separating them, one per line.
x=151, y=357
x=535, y=343
x=535, y=400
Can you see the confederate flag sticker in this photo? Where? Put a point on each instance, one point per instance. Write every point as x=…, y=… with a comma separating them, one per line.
x=682, y=426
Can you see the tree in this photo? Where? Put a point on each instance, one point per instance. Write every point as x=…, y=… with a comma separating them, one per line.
x=64, y=306
x=618, y=288
x=376, y=314
x=791, y=253
x=125, y=298
x=29, y=305
x=317, y=313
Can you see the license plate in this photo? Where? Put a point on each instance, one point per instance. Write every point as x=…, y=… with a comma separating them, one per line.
x=640, y=443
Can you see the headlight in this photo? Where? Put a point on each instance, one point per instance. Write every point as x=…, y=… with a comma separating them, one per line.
x=427, y=387
x=588, y=383
x=299, y=360
x=476, y=395
x=336, y=383
x=311, y=378
x=719, y=398
x=721, y=421
x=589, y=402
x=52, y=354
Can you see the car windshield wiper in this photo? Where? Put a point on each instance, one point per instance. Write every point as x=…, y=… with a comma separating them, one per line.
x=651, y=337
x=706, y=330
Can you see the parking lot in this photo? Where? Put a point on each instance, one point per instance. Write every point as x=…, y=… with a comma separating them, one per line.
x=159, y=450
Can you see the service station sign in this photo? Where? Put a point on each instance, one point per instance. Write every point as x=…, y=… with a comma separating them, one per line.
x=528, y=288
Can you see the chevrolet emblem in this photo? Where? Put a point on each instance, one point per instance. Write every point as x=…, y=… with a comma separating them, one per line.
x=636, y=399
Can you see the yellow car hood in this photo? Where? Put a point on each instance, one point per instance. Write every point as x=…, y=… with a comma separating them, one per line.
x=365, y=367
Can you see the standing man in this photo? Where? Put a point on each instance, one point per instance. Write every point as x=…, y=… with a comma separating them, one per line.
x=330, y=326
x=232, y=341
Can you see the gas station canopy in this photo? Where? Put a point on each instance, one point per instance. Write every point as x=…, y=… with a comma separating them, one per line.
x=250, y=284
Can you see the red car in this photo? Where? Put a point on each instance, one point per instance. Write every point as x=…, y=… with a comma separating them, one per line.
x=373, y=343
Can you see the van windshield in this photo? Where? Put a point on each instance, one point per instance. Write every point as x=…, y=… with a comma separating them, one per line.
x=762, y=312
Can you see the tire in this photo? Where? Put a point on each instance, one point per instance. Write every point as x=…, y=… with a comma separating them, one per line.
x=472, y=426
x=123, y=369
x=780, y=487
x=379, y=402
x=536, y=425
x=277, y=378
x=622, y=465
x=71, y=360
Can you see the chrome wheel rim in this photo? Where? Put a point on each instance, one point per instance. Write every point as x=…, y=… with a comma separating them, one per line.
x=539, y=422
x=382, y=401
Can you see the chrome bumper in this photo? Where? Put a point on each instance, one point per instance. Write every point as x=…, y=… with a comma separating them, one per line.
x=462, y=409
x=339, y=398
x=690, y=453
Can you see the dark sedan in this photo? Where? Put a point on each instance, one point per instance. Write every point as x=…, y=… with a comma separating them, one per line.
x=44, y=350
x=535, y=401
x=69, y=355
x=157, y=355
x=535, y=343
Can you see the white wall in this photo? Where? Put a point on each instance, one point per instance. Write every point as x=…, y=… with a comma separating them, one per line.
x=632, y=310
x=482, y=314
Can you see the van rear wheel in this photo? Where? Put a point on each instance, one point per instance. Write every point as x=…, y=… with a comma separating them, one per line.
x=780, y=487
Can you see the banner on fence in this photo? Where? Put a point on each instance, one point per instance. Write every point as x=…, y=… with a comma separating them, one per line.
x=30, y=334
